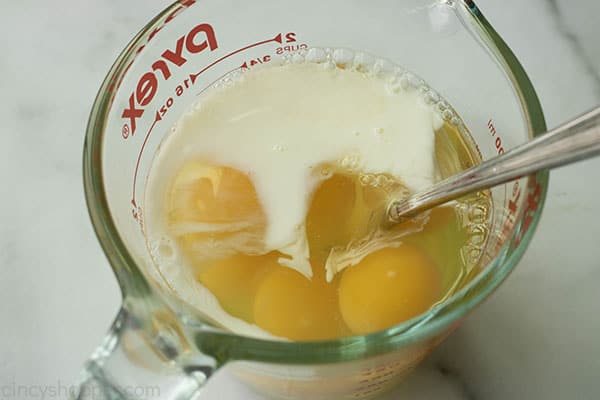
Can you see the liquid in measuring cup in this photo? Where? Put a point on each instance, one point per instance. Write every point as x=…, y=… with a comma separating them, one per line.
x=264, y=205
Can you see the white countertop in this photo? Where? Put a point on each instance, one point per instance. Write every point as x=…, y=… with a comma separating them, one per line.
x=536, y=338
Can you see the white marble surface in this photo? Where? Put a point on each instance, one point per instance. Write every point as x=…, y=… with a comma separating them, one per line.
x=536, y=338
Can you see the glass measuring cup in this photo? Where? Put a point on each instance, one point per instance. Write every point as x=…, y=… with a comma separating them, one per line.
x=160, y=344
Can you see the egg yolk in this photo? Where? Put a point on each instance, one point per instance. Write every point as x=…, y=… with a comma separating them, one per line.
x=214, y=211
x=341, y=210
x=234, y=281
x=327, y=218
x=388, y=287
x=289, y=305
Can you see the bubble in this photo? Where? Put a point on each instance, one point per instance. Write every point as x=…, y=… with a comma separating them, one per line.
x=329, y=65
x=365, y=179
x=363, y=62
x=345, y=162
x=297, y=58
x=431, y=97
x=477, y=214
x=413, y=81
x=326, y=172
x=470, y=255
x=286, y=58
x=342, y=58
x=447, y=115
x=350, y=163
x=381, y=181
x=163, y=249
x=316, y=55
x=382, y=68
x=405, y=83
x=477, y=235
x=394, y=85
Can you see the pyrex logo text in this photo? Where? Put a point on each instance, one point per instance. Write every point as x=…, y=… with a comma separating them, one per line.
x=197, y=40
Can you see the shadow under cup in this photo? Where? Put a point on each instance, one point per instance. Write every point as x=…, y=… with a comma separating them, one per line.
x=192, y=44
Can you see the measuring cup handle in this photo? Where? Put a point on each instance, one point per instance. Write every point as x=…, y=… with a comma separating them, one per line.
x=136, y=363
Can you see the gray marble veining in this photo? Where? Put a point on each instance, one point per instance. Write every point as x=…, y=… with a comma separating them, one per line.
x=585, y=47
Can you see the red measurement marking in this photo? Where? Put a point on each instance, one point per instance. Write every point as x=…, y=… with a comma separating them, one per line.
x=511, y=215
x=258, y=60
x=132, y=113
x=137, y=165
x=498, y=141
x=491, y=127
x=533, y=201
x=278, y=39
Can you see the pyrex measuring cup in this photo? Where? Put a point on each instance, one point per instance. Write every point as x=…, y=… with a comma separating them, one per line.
x=158, y=341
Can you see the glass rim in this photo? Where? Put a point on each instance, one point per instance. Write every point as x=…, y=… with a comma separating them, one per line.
x=212, y=340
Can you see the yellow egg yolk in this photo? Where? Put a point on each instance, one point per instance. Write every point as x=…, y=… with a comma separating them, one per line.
x=235, y=280
x=289, y=305
x=214, y=212
x=388, y=287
